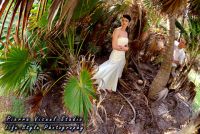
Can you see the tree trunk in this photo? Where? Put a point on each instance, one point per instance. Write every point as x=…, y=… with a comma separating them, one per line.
x=163, y=74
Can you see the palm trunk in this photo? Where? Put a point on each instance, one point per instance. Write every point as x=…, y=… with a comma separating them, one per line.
x=163, y=74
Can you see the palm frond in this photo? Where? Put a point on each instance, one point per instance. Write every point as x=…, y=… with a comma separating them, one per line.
x=57, y=18
x=33, y=103
x=25, y=7
x=26, y=15
x=79, y=90
x=5, y=24
x=66, y=14
x=170, y=7
x=4, y=5
x=5, y=17
x=39, y=20
x=30, y=80
x=53, y=12
x=77, y=94
x=17, y=70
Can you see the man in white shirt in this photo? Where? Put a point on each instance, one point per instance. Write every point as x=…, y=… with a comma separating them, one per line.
x=178, y=56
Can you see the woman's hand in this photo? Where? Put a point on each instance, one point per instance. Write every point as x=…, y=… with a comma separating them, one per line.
x=126, y=48
x=114, y=41
x=123, y=48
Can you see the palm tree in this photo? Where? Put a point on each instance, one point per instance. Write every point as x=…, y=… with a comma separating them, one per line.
x=171, y=8
x=45, y=49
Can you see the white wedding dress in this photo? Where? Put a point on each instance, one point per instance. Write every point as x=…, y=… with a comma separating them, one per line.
x=109, y=72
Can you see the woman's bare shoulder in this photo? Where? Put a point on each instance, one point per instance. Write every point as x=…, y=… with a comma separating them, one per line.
x=117, y=29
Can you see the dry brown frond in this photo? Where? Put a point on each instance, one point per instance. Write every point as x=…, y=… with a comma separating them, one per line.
x=194, y=7
x=170, y=7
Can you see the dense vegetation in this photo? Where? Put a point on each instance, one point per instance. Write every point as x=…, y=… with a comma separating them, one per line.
x=50, y=49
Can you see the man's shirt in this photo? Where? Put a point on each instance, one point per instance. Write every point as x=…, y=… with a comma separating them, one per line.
x=179, y=54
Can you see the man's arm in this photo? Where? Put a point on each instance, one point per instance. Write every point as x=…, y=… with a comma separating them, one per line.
x=176, y=62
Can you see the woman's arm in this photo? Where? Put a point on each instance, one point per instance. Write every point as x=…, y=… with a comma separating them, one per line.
x=114, y=41
x=125, y=48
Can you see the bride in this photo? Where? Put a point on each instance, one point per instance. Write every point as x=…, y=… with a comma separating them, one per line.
x=108, y=73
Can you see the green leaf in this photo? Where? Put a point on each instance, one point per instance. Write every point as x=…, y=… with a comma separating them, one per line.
x=180, y=27
x=17, y=72
x=78, y=93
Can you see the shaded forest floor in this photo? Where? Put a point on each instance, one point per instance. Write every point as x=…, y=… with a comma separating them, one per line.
x=128, y=111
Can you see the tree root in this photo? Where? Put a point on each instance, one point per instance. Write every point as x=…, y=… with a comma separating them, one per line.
x=117, y=114
x=101, y=99
x=147, y=104
x=95, y=116
x=133, y=109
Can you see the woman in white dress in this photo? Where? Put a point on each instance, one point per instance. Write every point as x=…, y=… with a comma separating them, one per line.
x=111, y=70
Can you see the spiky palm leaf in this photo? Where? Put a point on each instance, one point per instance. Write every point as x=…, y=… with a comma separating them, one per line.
x=30, y=79
x=34, y=102
x=17, y=71
x=79, y=90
